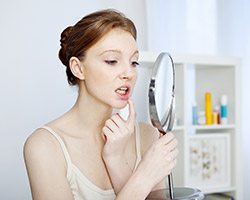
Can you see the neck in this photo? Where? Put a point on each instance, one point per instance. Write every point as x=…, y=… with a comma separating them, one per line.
x=88, y=115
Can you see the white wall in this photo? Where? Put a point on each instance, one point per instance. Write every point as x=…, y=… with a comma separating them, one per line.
x=234, y=39
x=33, y=84
x=207, y=27
x=181, y=26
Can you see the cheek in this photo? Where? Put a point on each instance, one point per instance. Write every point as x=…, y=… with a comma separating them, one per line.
x=92, y=80
x=94, y=75
x=97, y=81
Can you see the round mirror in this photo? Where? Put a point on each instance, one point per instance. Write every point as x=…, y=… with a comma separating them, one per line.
x=162, y=112
x=161, y=93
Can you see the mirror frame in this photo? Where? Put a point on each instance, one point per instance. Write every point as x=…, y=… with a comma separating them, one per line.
x=166, y=123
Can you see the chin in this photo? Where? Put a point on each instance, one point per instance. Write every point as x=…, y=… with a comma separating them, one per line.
x=120, y=105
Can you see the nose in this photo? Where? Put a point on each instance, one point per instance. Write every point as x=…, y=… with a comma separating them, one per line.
x=128, y=73
x=124, y=77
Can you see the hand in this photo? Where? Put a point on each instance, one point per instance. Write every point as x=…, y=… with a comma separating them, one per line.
x=159, y=160
x=117, y=132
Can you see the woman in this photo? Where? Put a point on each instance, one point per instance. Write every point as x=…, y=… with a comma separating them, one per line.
x=90, y=153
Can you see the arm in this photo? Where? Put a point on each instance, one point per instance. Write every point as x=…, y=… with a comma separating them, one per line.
x=158, y=161
x=137, y=187
x=116, y=140
x=118, y=133
x=150, y=135
x=46, y=167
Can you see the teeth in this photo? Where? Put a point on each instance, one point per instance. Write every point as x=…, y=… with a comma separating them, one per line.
x=122, y=90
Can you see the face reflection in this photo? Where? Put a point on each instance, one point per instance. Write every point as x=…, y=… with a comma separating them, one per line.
x=110, y=68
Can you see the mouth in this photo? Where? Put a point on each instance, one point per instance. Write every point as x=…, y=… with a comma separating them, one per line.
x=123, y=91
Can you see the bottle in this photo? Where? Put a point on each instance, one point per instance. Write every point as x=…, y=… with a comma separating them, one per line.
x=223, y=110
x=217, y=114
x=194, y=114
x=201, y=118
x=208, y=108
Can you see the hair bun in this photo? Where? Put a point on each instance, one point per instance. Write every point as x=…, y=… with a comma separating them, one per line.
x=63, y=52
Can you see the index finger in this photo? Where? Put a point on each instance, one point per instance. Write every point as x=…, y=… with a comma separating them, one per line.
x=132, y=113
x=168, y=137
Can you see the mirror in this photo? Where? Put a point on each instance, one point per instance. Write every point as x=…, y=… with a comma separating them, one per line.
x=161, y=95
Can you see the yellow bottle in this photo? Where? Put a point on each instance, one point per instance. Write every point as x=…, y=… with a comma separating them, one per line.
x=208, y=108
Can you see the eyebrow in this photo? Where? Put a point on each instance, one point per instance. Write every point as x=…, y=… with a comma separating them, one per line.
x=117, y=51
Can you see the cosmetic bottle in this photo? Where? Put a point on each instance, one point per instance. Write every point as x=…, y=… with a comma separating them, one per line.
x=208, y=108
x=194, y=114
x=216, y=118
x=223, y=110
x=201, y=118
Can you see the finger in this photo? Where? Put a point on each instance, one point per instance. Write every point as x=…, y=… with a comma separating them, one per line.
x=117, y=119
x=112, y=125
x=108, y=133
x=165, y=139
x=172, y=164
x=175, y=153
x=171, y=146
x=132, y=114
x=172, y=155
x=104, y=137
x=122, y=126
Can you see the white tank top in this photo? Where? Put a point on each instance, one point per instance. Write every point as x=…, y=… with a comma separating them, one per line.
x=81, y=187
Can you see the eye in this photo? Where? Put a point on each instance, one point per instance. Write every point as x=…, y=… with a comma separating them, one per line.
x=111, y=62
x=134, y=64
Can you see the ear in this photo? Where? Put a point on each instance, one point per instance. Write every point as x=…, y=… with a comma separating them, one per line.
x=76, y=67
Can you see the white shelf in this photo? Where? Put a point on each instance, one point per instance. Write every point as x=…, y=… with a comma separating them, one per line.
x=213, y=127
x=196, y=75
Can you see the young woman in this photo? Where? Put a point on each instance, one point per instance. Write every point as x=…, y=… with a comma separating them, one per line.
x=89, y=153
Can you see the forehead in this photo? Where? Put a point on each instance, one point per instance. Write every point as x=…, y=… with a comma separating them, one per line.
x=116, y=39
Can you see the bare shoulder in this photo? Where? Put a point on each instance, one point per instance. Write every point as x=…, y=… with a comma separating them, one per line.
x=39, y=140
x=40, y=147
x=148, y=134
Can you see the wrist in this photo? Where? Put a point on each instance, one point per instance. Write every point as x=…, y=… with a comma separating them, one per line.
x=112, y=158
x=118, y=164
x=135, y=188
x=141, y=182
x=112, y=155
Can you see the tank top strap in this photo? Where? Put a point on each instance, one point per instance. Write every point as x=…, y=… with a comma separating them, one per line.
x=137, y=144
x=62, y=144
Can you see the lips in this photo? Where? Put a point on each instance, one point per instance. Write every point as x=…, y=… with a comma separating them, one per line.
x=123, y=91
